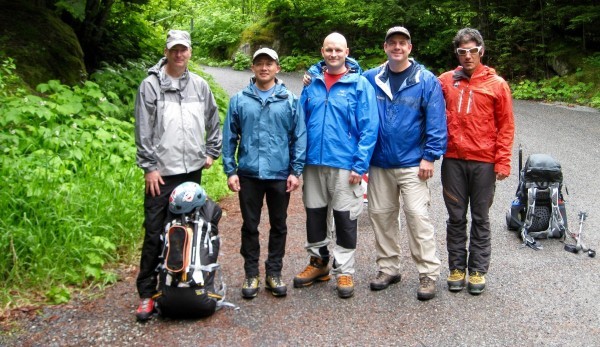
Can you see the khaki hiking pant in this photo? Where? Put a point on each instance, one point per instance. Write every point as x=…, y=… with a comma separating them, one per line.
x=386, y=188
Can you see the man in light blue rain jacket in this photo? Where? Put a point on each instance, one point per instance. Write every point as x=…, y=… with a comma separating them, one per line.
x=265, y=124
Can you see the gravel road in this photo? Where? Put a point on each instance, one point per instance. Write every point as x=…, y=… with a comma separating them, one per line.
x=533, y=298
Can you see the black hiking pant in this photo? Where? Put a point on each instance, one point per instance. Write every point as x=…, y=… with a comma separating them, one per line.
x=252, y=194
x=468, y=183
x=155, y=214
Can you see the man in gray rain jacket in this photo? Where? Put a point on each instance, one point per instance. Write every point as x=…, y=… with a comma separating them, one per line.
x=177, y=134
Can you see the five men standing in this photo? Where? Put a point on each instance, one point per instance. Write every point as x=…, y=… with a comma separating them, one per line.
x=391, y=122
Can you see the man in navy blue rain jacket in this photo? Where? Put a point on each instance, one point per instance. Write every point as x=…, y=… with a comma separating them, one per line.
x=412, y=135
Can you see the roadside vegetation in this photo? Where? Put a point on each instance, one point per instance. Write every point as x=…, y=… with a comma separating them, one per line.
x=72, y=199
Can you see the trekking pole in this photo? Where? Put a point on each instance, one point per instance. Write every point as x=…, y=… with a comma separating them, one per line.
x=520, y=158
x=579, y=246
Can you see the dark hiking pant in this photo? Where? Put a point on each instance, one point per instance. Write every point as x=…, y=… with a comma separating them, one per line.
x=155, y=213
x=468, y=183
x=252, y=193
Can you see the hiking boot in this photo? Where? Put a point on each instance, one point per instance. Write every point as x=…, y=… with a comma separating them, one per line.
x=383, y=280
x=456, y=280
x=145, y=310
x=426, y=289
x=250, y=287
x=275, y=285
x=345, y=286
x=317, y=270
x=476, y=283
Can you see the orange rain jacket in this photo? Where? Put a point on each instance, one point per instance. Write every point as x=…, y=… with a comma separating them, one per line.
x=480, y=117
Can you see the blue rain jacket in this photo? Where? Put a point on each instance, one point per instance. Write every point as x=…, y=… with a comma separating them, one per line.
x=412, y=120
x=341, y=124
x=270, y=137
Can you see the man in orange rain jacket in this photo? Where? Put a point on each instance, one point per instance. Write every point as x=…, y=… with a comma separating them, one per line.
x=480, y=138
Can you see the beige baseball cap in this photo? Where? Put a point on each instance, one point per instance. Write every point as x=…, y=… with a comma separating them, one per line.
x=178, y=37
x=267, y=51
x=397, y=30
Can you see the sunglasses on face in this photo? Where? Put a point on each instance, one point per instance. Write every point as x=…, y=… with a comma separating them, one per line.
x=464, y=51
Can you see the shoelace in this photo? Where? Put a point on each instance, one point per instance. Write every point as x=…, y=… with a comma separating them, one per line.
x=425, y=282
x=345, y=281
x=476, y=277
x=380, y=275
x=145, y=305
x=276, y=281
x=457, y=273
x=308, y=270
x=249, y=282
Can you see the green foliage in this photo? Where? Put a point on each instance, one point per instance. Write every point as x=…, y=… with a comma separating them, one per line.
x=121, y=82
x=58, y=295
x=9, y=81
x=557, y=89
x=241, y=61
x=127, y=35
x=75, y=8
x=260, y=34
x=213, y=62
x=74, y=203
x=217, y=33
x=297, y=62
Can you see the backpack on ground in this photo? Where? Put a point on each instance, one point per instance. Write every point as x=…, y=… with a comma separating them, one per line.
x=190, y=281
x=538, y=209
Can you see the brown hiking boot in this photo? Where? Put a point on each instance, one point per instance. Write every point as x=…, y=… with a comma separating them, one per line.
x=426, y=289
x=383, y=280
x=317, y=270
x=345, y=286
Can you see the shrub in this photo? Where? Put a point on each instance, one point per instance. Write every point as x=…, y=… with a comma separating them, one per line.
x=241, y=61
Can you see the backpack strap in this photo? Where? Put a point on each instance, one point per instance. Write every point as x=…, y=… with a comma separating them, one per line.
x=529, y=240
x=196, y=262
x=557, y=223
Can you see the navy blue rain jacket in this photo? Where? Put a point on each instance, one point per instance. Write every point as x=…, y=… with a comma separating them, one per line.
x=412, y=120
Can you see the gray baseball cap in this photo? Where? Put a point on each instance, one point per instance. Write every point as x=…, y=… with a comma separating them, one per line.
x=267, y=51
x=397, y=30
x=178, y=37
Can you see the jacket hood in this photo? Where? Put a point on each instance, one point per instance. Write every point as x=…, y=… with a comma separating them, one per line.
x=483, y=71
x=318, y=68
x=413, y=77
x=155, y=70
x=165, y=83
x=280, y=91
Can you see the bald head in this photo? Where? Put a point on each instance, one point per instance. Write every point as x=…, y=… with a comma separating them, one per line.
x=334, y=52
x=336, y=39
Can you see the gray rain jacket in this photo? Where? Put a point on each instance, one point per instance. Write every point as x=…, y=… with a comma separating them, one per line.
x=175, y=129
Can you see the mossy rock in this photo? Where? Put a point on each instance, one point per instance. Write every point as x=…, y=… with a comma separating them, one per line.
x=42, y=46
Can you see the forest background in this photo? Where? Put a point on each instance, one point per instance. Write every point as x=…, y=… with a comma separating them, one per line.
x=71, y=207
